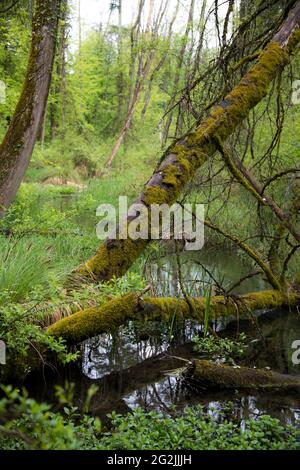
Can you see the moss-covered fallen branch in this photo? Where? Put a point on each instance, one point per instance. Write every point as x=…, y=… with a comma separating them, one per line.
x=111, y=315
x=207, y=374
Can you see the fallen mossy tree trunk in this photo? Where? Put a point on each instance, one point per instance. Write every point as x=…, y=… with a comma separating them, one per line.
x=181, y=161
x=111, y=315
x=203, y=374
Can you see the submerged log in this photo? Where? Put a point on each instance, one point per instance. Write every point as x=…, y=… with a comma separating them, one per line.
x=108, y=317
x=206, y=374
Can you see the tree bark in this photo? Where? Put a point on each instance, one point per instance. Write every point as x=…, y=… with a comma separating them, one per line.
x=204, y=374
x=17, y=146
x=180, y=61
x=120, y=78
x=181, y=161
x=111, y=315
x=144, y=67
x=57, y=106
x=160, y=63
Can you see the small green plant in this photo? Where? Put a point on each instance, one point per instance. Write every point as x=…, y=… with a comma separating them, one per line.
x=120, y=286
x=195, y=429
x=27, y=424
x=26, y=341
x=207, y=310
x=23, y=267
x=222, y=349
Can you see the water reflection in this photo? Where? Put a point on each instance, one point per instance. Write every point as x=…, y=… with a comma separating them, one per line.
x=132, y=373
x=224, y=267
x=130, y=366
x=132, y=345
x=163, y=395
x=159, y=396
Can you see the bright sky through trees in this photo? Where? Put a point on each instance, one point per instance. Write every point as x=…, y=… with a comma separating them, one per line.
x=97, y=12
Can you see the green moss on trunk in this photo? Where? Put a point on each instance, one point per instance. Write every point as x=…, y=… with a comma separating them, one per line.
x=18, y=143
x=180, y=163
x=207, y=374
x=106, y=318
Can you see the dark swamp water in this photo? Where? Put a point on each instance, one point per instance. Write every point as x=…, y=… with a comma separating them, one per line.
x=135, y=367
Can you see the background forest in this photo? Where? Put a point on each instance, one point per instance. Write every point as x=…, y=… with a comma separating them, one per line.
x=123, y=92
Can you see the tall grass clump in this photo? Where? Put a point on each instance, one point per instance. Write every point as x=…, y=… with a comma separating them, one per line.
x=25, y=265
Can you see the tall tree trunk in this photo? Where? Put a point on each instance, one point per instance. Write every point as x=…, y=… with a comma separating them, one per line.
x=145, y=62
x=185, y=107
x=180, y=61
x=160, y=63
x=136, y=96
x=181, y=161
x=43, y=130
x=120, y=78
x=64, y=48
x=17, y=146
x=135, y=88
x=80, y=55
x=56, y=108
x=149, y=20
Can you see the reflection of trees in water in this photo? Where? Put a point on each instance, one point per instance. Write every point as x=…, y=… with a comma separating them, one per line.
x=160, y=396
x=118, y=351
x=279, y=330
x=123, y=349
x=251, y=407
x=223, y=406
x=120, y=358
x=226, y=266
